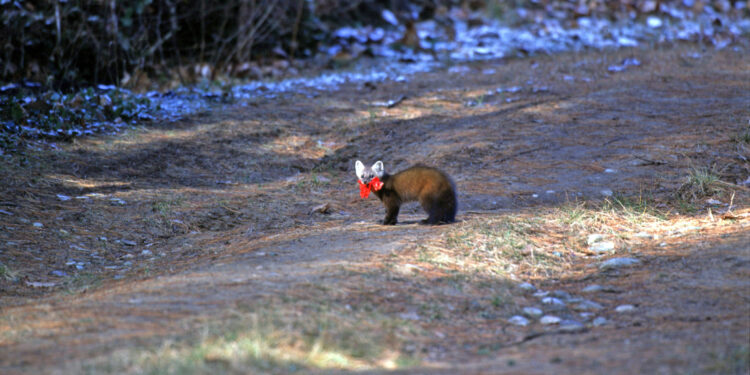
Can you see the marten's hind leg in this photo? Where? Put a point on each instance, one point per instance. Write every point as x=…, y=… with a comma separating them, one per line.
x=439, y=210
x=434, y=212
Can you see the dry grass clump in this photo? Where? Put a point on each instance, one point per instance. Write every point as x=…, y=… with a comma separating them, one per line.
x=539, y=244
x=703, y=182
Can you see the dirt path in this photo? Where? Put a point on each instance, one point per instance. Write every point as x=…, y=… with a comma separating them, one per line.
x=195, y=247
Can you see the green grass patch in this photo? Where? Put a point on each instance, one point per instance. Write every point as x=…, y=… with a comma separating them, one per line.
x=166, y=207
x=732, y=361
x=279, y=335
x=7, y=274
x=82, y=282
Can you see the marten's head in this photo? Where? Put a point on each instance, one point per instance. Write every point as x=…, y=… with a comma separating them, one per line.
x=367, y=174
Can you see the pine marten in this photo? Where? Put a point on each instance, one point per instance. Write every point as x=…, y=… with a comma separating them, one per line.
x=432, y=188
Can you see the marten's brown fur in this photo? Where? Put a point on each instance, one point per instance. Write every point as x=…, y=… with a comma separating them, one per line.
x=432, y=188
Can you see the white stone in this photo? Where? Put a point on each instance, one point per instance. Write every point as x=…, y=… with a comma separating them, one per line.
x=592, y=289
x=602, y=247
x=600, y=321
x=518, y=320
x=550, y=319
x=624, y=308
x=532, y=311
x=654, y=22
x=552, y=301
x=594, y=238
x=588, y=305
x=618, y=262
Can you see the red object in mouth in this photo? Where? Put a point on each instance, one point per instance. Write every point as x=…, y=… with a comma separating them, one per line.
x=374, y=185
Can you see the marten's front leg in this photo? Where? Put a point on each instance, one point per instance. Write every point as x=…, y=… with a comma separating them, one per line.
x=391, y=210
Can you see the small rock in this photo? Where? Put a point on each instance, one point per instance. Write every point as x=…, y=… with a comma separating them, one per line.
x=38, y=225
x=594, y=238
x=518, y=320
x=561, y=294
x=532, y=312
x=540, y=294
x=39, y=284
x=59, y=273
x=411, y=315
x=102, y=238
x=128, y=242
x=610, y=170
x=550, y=319
x=592, y=289
x=146, y=252
x=117, y=202
x=600, y=321
x=644, y=235
x=569, y=325
x=625, y=308
x=654, y=22
x=618, y=262
x=321, y=209
x=552, y=301
x=713, y=202
x=602, y=247
x=389, y=17
x=607, y=192
x=63, y=197
x=527, y=286
x=587, y=305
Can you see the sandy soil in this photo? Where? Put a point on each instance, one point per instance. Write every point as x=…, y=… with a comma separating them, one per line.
x=185, y=231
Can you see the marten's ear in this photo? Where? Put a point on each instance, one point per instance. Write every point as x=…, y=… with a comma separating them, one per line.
x=378, y=168
x=360, y=169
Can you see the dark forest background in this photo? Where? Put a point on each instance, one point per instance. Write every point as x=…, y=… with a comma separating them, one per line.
x=67, y=44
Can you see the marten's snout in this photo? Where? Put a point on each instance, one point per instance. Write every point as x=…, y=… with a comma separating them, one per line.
x=366, y=178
